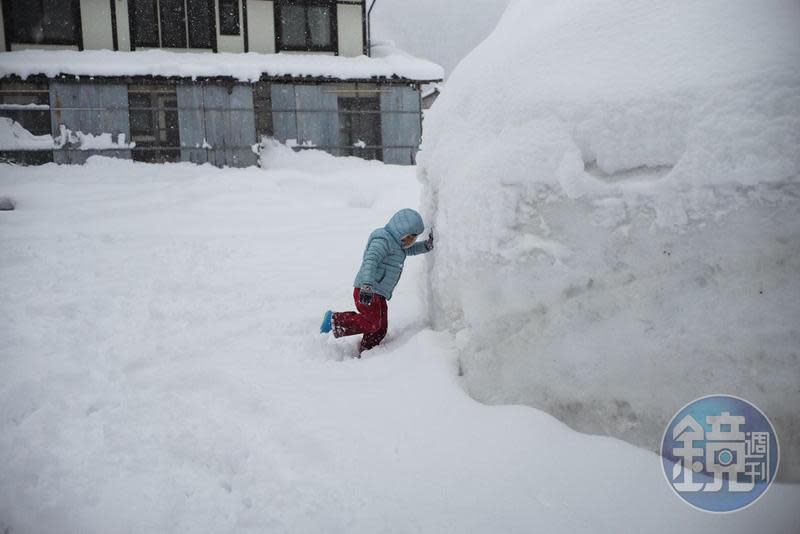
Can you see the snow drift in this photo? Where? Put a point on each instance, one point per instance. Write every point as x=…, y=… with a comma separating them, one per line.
x=615, y=189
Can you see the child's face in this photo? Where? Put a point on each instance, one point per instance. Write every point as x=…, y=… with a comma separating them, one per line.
x=408, y=240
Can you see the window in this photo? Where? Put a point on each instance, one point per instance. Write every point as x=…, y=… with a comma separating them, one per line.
x=360, y=127
x=308, y=25
x=154, y=122
x=229, y=17
x=28, y=104
x=262, y=107
x=55, y=22
x=172, y=23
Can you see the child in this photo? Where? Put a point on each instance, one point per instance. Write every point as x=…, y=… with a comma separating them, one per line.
x=380, y=271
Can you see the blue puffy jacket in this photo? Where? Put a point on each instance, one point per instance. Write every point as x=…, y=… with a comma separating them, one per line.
x=384, y=255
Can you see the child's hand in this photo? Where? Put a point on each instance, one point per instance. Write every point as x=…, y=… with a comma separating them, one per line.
x=429, y=242
x=365, y=295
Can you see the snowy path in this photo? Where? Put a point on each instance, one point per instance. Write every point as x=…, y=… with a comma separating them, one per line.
x=160, y=372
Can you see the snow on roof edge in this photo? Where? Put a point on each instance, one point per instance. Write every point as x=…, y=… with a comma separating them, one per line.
x=247, y=67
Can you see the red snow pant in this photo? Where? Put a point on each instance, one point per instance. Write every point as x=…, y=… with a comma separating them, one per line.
x=371, y=320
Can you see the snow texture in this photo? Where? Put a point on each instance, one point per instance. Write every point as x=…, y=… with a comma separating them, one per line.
x=13, y=136
x=637, y=243
x=161, y=372
x=386, y=62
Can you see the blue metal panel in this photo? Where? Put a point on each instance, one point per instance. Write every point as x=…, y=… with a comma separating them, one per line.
x=191, y=123
x=320, y=124
x=284, y=115
x=400, y=130
x=220, y=118
x=242, y=129
x=215, y=99
x=63, y=96
x=87, y=110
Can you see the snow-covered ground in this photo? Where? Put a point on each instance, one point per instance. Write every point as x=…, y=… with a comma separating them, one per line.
x=161, y=371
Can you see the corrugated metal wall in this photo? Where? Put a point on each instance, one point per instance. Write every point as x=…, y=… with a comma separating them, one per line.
x=217, y=124
x=307, y=114
x=92, y=109
x=401, y=132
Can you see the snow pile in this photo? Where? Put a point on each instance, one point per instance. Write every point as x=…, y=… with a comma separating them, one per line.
x=637, y=243
x=162, y=372
x=13, y=136
x=442, y=30
x=249, y=67
x=84, y=141
x=275, y=155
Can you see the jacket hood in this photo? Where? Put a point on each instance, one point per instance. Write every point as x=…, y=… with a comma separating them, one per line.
x=404, y=222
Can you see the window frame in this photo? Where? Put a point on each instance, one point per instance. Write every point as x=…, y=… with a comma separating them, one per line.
x=8, y=10
x=212, y=13
x=309, y=47
x=162, y=106
x=355, y=113
x=27, y=92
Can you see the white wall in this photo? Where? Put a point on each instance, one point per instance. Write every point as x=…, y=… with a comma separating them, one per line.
x=351, y=30
x=123, y=26
x=96, y=25
x=261, y=26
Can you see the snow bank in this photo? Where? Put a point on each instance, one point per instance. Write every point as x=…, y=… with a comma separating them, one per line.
x=13, y=136
x=249, y=67
x=275, y=155
x=615, y=188
x=436, y=29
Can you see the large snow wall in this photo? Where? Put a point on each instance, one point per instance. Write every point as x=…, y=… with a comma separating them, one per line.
x=614, y=186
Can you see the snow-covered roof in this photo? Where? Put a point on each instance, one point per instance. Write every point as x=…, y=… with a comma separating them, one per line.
x=386, y=62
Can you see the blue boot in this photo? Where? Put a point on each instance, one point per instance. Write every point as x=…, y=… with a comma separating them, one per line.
x=327, y=322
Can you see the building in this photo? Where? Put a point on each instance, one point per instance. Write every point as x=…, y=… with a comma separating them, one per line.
x=204, y=80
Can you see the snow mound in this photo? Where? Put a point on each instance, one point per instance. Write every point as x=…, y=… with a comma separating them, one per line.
x=637, y=242
x=13, y=136
x=275, y=155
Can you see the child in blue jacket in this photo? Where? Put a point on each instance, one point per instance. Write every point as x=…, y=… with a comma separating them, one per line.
x=380, y=271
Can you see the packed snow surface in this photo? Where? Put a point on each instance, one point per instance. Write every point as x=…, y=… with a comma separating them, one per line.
x=615, y=187
x=386, y=62
x=162, y=372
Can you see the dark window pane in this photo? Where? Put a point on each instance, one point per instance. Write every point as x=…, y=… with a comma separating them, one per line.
x=262, y=106
x=201, y=23
x=173, y=23
x=229, y=17
x=154, y=123
x=43, y=21
x=360, y=127
x=59, y=21
x=319, y=24
x=293, y=26
x=144, y=24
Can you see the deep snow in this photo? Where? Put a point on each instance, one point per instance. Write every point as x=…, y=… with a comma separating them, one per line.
x=637, y=244
x=162, y=372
